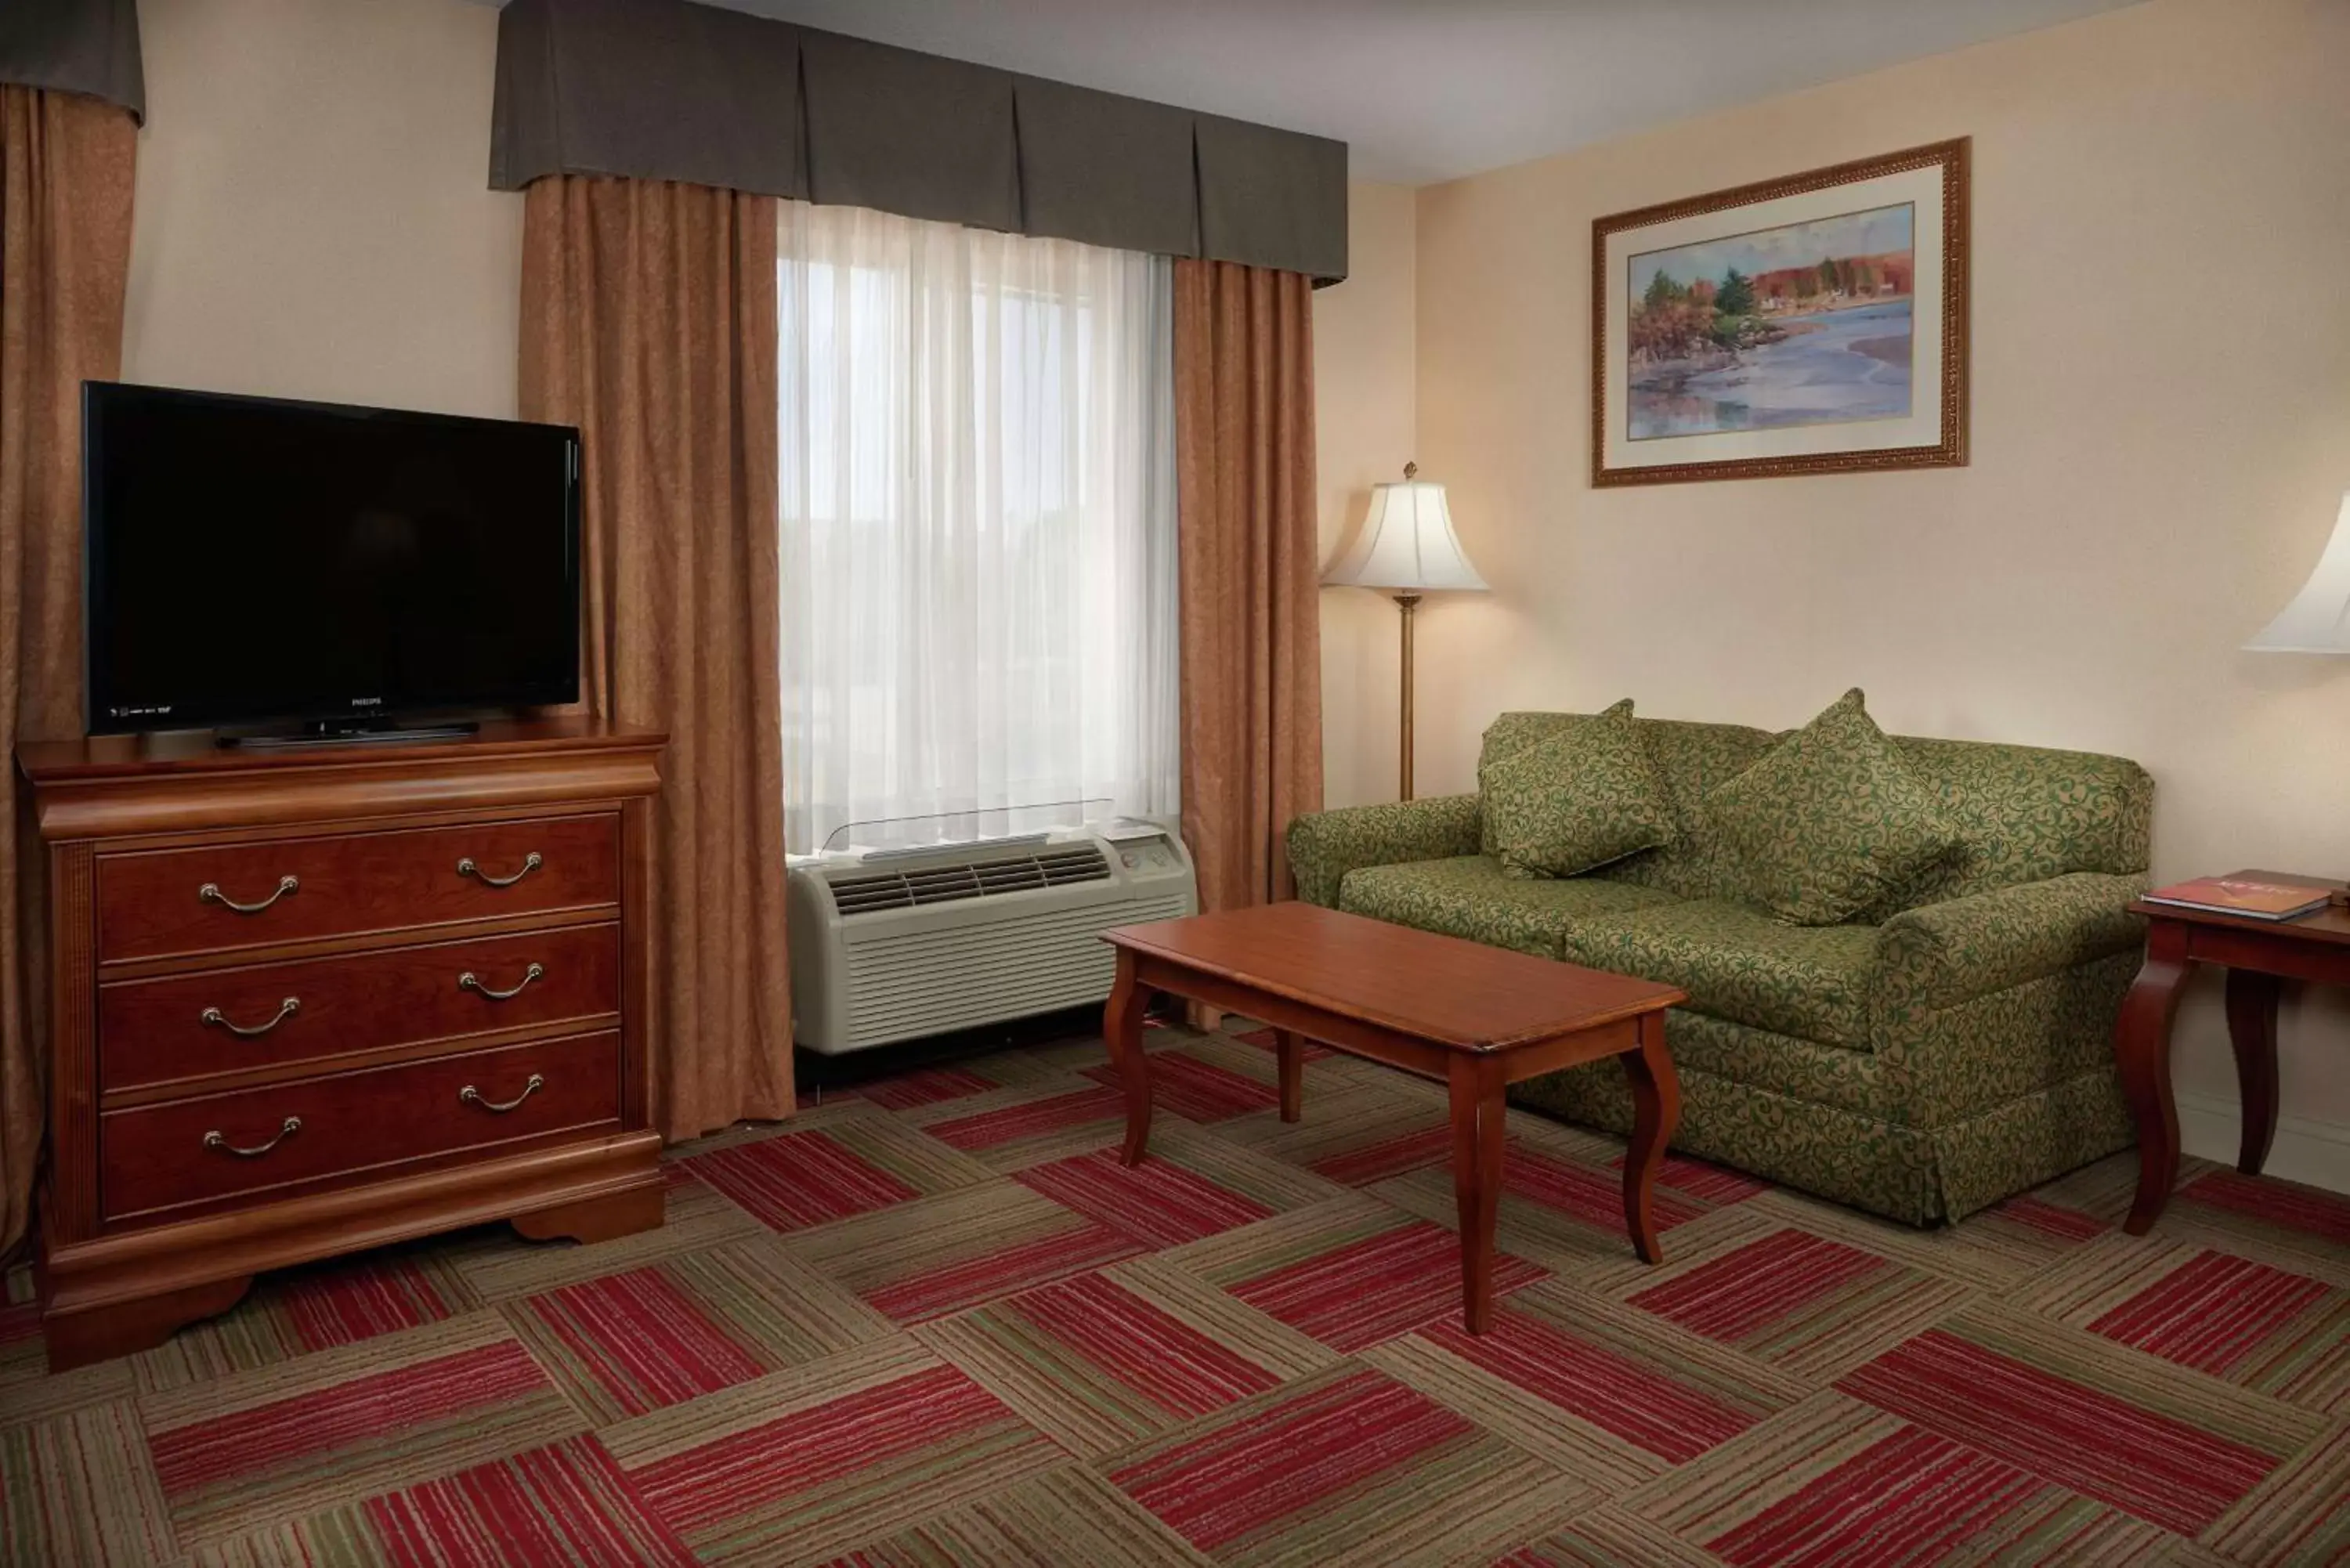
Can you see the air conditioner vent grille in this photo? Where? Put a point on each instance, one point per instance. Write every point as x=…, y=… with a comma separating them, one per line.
x=869, y=893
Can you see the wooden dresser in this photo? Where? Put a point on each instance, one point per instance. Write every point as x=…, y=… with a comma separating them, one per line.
x=312, y=1000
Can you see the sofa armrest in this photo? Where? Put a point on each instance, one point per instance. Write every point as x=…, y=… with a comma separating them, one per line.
x=1939, y=955
x=1326, y=845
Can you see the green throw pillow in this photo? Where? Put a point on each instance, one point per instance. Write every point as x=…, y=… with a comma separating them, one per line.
x=1580, y=798
x=1621, y=708
x=1830, y=821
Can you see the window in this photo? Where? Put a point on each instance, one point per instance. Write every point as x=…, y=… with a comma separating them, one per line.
x=978, y=514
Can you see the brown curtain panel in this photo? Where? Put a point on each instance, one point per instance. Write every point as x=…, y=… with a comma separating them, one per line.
x=649, y=321
x=64, y=258
x=1252, y=663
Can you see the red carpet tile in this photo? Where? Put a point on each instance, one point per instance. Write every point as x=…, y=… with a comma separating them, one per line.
x=2322, y=1215
x=938, y=1322
x=352, y=1302
x=1593, y=1195
x=1409, y=1151
x=568, y=1504
x=1640, y=1404
x=1707, y=1183
x=926, y=1087
x=642, y=1339
x=1749, y=1290
x=1375, y=1287
x=986, y=1129
x=1196, y=1090
x=2214, y=1315
x=1917, y=1497
x=2096, y=1442
x=800, y=1179
x=1159, y=1202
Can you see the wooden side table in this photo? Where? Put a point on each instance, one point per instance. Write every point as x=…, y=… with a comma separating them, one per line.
x=2258, y=956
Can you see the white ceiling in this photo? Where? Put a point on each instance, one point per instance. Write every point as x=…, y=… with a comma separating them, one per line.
x=1425, y=90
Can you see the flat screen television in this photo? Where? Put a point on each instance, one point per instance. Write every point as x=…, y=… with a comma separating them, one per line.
x=257, y=562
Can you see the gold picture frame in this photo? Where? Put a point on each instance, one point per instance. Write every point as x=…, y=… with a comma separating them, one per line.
x=1847, y=355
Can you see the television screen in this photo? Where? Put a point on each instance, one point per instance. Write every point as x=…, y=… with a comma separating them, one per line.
x=249, y=561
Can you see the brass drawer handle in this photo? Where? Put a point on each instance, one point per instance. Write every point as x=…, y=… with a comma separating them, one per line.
x=469, y=981
x=472, y=1097
x=213, y=1139
x=285, y=1010
x=530, y=863
x=211, y=894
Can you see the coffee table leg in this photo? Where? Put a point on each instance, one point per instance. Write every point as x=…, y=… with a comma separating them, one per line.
x=1655, y=1111
x=1291, y=1052
x=1477, y=1134
x=1122, y=1029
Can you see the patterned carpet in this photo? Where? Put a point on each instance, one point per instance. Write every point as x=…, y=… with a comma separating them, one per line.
x=935, y=1322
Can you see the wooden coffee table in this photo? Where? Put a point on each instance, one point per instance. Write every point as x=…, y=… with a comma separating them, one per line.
x=1474, y=1018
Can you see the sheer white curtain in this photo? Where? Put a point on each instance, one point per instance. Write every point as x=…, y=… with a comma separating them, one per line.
x=979, y=611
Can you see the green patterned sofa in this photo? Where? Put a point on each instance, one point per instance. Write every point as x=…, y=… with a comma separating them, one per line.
x=1951, y=1050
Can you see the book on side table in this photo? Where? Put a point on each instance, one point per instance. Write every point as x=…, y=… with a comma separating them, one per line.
x=2248, y=895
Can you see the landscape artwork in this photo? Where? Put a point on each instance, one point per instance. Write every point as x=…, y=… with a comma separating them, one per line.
x=1809, y=323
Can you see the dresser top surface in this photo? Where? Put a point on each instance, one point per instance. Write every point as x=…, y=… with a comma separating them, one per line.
x=199, y=751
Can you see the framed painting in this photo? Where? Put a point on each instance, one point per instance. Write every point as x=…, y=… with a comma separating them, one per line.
x=1811, y=324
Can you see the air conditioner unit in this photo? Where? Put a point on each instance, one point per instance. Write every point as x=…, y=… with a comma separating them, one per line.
x=892, y=945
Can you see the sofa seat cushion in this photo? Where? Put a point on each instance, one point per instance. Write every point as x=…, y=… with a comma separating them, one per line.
x=1736, y=962
x=1472, y=897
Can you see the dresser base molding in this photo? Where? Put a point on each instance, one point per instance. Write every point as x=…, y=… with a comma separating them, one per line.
x=130, y=1291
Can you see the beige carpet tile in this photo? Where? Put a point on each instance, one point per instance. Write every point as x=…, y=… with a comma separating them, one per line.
x=80, y=1487
x=1070, y=1515
x=1029, y=1124
x=2299, y=1514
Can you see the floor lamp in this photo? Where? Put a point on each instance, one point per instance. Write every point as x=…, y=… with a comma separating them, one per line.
x=1408, y=547
x=2318, y=619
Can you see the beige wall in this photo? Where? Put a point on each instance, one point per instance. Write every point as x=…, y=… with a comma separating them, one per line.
x=2161, y=434
x=1365, y=411
x=312, y=213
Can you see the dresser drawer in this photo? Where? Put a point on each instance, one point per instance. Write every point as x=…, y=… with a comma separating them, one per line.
x=220, y=898
x=186, y=1151
x=230, y=1020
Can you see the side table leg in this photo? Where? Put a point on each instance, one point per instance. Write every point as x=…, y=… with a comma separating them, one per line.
x=1291, y=1053
x=1478, y=1129
x=2252, y=1031
x=1122, y=1029
x=1656, y=1112
x=2142, y=1055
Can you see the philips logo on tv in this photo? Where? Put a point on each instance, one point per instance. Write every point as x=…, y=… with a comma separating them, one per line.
x=367, y=701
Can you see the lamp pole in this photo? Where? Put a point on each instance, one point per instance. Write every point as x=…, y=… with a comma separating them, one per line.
x=1407, y=603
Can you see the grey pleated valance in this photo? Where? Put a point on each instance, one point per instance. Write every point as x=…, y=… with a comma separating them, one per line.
x=75, y=46
x=664, y=89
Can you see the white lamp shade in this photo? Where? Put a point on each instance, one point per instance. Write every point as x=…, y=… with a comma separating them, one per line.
x=1407, y=542
x=2318, y=619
